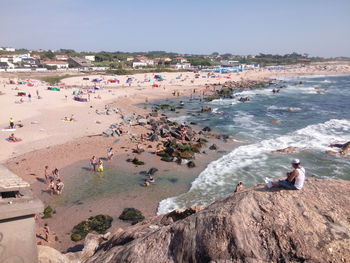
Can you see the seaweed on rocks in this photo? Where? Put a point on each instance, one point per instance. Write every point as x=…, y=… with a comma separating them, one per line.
x=99, y=223
x=131, y=215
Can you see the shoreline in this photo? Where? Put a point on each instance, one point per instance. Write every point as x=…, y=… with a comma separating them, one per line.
x=80, y=149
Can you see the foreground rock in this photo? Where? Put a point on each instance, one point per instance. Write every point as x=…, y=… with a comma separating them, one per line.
x=255, y=225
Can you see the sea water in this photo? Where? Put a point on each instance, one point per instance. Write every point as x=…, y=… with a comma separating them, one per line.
x=313, y=113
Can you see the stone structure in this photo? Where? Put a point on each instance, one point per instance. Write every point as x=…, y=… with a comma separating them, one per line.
x=17, y=226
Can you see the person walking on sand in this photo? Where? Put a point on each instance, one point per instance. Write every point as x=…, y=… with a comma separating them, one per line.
x=93, y=163
x=46, y=174
x=295, y=178
x=12, y=123
x=110, y=153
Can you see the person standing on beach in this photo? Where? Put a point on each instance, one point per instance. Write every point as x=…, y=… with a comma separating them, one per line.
x=93, y=163
x=47, y=233
x=46, y=174
x=12, y=123
x=110, y=153
x=56, y=174
x=59, y=186
x=29, y=97
x=100, y=166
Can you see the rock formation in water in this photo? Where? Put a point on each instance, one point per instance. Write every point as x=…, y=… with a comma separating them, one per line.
x=255, y=225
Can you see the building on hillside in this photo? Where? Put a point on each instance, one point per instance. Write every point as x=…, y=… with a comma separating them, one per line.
x=80, y=62
x=161, y=61
x=183, y=66
x=36, y=56
x=130, y=59
x=6, y=58
x=61, y=57
x=180, y=60
x=142, y=61
x=58, y=64
x=229, y=63
x=30, y=63
x=90, y=58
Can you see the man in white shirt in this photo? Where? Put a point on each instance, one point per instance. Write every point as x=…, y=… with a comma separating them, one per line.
x=295, y=179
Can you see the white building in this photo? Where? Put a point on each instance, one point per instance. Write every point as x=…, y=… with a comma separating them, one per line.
x=183, y=66
x=90, y=58
x=61, y=57
x=58, y=64
x=136, y=64
x=10, y=49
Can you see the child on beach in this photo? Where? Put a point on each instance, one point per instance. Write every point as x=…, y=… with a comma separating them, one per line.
x=110, y=153
x=100, y=166
x=51, y=187
x=59, y=186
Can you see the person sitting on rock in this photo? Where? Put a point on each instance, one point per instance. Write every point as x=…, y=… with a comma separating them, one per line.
x=239, y=187
x=295, y=179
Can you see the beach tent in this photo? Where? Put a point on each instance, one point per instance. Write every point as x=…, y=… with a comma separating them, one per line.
x=96, y=80
x=85, y=78
x=80, y=99
x=158, y=77
x=53, y=88
x=155, y=86
x=30, y=84
x=128, y=80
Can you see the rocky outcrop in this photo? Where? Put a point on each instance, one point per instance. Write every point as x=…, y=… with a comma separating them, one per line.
x=255, y=225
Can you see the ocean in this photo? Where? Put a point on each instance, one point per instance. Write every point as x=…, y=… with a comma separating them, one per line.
x=312, y=112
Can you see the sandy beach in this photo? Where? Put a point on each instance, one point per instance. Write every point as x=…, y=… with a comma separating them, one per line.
x=68, y=145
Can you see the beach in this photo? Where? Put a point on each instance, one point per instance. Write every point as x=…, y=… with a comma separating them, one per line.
x=47, y=139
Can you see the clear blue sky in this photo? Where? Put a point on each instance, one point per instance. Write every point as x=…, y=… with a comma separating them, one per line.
x=316, y=27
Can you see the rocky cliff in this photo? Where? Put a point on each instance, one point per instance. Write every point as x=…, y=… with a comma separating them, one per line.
x=256, y=225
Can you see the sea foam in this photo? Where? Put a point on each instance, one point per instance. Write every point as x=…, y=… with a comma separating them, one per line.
x=250, y=162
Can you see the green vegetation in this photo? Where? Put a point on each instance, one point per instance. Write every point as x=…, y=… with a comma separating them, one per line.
x=179, y=150
x=55, y=79
x=99, y=223
x=135, y=161
x=47, y=212
x=131, y=215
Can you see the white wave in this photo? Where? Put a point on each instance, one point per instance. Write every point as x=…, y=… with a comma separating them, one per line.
x=273, y=107
x=180, y=118
x=206, y=187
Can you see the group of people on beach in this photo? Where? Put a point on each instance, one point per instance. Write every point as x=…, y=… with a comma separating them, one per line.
x=97, y=165
x=53, y=181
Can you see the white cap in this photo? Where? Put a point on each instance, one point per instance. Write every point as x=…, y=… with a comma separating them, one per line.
x=295, y=161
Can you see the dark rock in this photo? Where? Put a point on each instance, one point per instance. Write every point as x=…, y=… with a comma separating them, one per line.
x=206, y=129
x=131, y=215
x=99, y=223
x=213, y=147
x=250, y=226
x=191, y=164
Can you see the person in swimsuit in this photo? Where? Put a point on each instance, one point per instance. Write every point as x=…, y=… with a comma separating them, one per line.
x=59, y=186
x=110, y=153
x=93, y=163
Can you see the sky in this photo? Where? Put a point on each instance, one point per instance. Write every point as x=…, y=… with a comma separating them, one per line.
x=315, y=27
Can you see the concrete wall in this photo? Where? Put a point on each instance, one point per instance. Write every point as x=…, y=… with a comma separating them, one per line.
x=17, y=240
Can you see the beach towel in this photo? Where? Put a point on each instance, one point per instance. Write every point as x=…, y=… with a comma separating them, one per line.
x=8, y=129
